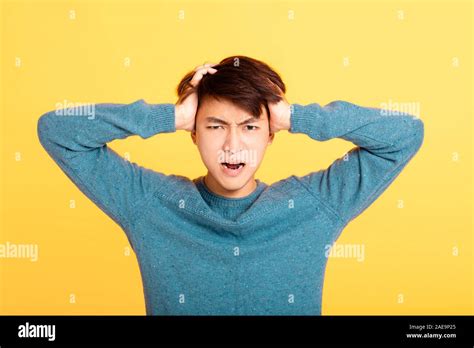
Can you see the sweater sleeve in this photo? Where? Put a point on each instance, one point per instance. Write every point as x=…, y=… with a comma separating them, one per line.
x=78, y=144
x=384, y=145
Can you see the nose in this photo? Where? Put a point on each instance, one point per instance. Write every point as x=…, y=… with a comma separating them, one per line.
x=232, y=141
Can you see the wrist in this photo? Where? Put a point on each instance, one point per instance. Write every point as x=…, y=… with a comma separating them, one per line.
x=182, y=120
x=178, y=119
x=285, y=120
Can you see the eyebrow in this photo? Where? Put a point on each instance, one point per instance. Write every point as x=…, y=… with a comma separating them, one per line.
x=220, y=121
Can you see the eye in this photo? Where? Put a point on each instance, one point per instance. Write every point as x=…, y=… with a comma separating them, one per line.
x=250, y=127
x=213, y=127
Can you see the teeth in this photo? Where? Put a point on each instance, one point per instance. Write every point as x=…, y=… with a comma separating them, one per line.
x=233, y=164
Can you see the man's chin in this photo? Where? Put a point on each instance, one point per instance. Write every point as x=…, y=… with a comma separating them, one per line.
x=230, y=183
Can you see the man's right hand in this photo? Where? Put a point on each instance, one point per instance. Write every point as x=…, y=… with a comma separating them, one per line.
x=186, y=107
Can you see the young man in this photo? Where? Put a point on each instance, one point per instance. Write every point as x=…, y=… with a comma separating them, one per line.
x=227, y=243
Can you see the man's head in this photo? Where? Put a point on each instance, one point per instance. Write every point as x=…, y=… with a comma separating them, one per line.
x=232, y=119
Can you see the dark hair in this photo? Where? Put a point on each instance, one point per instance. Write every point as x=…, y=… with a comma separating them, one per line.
x=244, y=81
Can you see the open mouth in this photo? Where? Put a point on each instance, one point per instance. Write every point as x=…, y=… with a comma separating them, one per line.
x=233, y=166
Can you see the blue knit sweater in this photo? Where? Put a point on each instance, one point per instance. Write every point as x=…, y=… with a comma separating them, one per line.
x=200, y=253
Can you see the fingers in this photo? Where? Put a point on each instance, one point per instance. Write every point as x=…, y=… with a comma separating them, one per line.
x=204, y=66
x=277, y=88
x=200, y=72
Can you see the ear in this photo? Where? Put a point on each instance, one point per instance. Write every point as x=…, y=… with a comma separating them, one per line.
x=270, y=138
x=193, y=136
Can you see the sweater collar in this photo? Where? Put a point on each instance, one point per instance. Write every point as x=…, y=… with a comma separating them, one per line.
x=215, y=199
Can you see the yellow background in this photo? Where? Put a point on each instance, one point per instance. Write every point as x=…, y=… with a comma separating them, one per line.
x=404, y=51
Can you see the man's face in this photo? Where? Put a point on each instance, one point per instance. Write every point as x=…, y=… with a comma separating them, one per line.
x=225, y=133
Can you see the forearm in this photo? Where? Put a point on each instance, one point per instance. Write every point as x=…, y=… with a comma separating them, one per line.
x=366, y=127
x=109, y=122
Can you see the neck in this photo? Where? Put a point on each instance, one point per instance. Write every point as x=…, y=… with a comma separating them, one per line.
x=216, y=188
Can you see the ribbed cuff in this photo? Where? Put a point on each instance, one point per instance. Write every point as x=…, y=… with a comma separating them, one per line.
x=302, y=120
x=162, y=119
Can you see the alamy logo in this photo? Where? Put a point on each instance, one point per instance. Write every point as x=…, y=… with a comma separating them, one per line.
x=41, y=331
x=394, y=108
x=67, y=108
x=12, y=250
x=356, y=251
